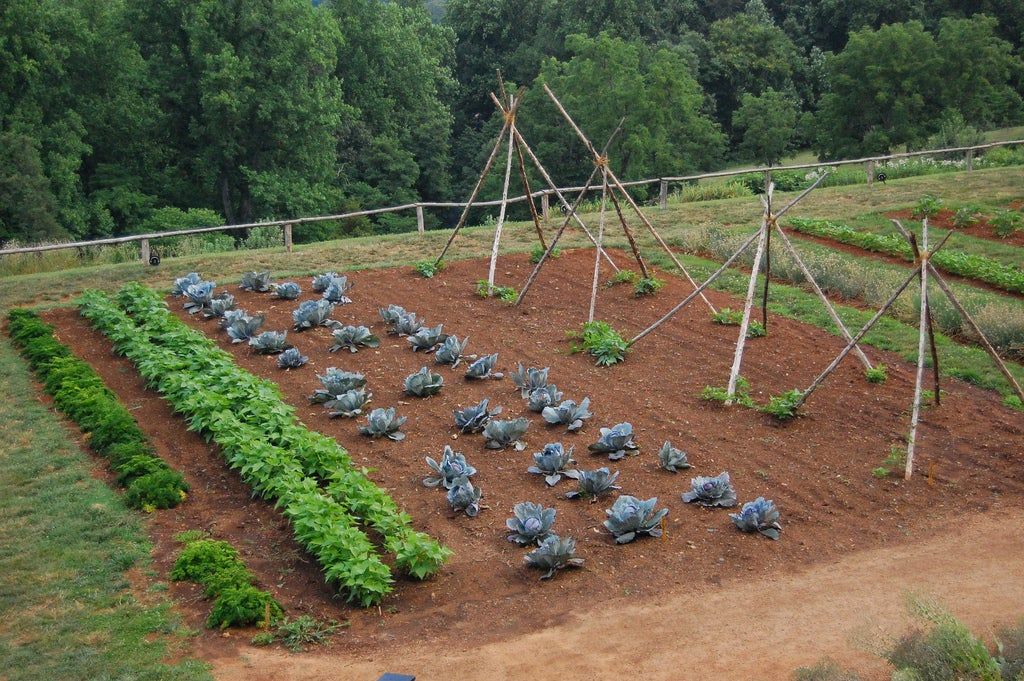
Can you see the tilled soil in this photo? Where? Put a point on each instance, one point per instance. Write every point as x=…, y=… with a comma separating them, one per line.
x=816, y=468
x=981, y=229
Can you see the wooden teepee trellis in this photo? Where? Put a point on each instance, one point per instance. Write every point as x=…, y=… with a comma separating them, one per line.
x=769, y=224
x=610, y=185
x=508, y=106
x=923, y=271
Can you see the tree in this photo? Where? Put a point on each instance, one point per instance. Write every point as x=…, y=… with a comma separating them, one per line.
x=767, y=124
x=746, y=54
x=28, y=212
x=666, y=130
x=882, y=89
x=254, y=105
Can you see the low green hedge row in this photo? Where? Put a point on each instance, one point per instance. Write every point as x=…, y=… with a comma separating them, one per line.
x=112, y=432
x=962, y=264
x=216, y=566
x=260, y=436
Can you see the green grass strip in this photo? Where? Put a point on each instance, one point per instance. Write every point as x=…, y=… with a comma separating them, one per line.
x=67, y=543
x=960, y=263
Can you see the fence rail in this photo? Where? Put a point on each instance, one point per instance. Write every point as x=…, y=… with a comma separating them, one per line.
x=544, y=194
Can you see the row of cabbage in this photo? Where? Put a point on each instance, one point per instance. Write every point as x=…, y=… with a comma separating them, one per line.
x=79, y=392
x=307, y=474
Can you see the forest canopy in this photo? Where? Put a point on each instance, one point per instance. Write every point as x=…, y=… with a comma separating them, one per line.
x=124, y=115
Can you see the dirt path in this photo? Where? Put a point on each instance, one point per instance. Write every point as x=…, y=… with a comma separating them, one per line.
x=761, y=629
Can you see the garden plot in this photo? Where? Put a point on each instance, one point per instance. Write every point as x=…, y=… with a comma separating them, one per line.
x=817, y=469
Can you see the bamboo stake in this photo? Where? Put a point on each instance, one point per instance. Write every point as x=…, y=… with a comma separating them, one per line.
x=974, y=326
x=529, y=196
x=629, y=199
x=921, y=340
x=630, y=237
x=501, y=211
x=600, y=240
x=697, y=291
x=748, y=304
x=769, y=224
x=853, y=341
x=509, y=117
x=931, y=332
x=821, y=294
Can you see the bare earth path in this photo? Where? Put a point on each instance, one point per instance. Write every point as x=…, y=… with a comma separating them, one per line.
x=762, y=629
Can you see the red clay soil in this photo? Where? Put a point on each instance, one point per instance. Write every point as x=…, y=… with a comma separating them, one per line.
x=816, y=468
x=982, y=229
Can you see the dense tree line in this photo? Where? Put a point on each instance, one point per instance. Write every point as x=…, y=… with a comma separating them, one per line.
x=129, y=115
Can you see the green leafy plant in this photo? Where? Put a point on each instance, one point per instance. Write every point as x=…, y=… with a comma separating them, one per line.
x=243, y=606
x=966, y=216
x=298, y=633
x=505, y=293
x=893, y=463
x=783, y=407
x=1006, y=222
x=729, y=317
x=623, y=277
x=877, y=374
x=601, y=341
x=741, y=397
x=538, y=252
x=647, y=286
x=927, y=206
x=428, y=268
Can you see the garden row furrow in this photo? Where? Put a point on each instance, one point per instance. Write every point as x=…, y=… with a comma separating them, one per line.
x=112, y=432
x=260, y=437
x=956, y=262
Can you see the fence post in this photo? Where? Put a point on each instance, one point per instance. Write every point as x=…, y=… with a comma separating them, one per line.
x=420, y=224
x=144, y=251
x=767, y=180
x=970, y=160
x=663, y=195
x=288, y=237
x=545, y=207
x=869, y=169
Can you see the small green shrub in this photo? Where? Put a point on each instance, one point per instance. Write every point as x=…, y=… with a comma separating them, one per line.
x=880, y=472
x=296, y=634
x=623, y=277
x=233, y=576
x=201, y=558
x=877, y=374
x=647, y=286
x=729, y=317
x=163, y=488
x=243, y=606
x=601, y=341
x=783, y=407
x=428, y=268
x=137, y=466
x=741, y=397
x=505, y=293
x=1006, y=222
x=755, y=329
x=927, y=206
x=946, y=651
x=538, y=252
x=826, y=670
x=966, y=216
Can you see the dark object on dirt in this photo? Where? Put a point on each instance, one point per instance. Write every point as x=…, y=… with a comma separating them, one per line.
x=154, y=259
x=396, y=677
x=881, y=177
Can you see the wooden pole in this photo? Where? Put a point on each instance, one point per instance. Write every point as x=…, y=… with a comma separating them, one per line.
x=600, y=240
x=748, y=304
x=144, y=251
x=922, y=337
x=970, y=160
x=788, y=245
x=509, y=117
x=977, y=330
x=769, y=189
x=421, y=223
x=501, y=211
x=529, y=196
x=663, y=195
x=854, y=341
x=869, y=171
x=545, y=208
x=629, y=199
x=288, y=241
x=629, y=236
